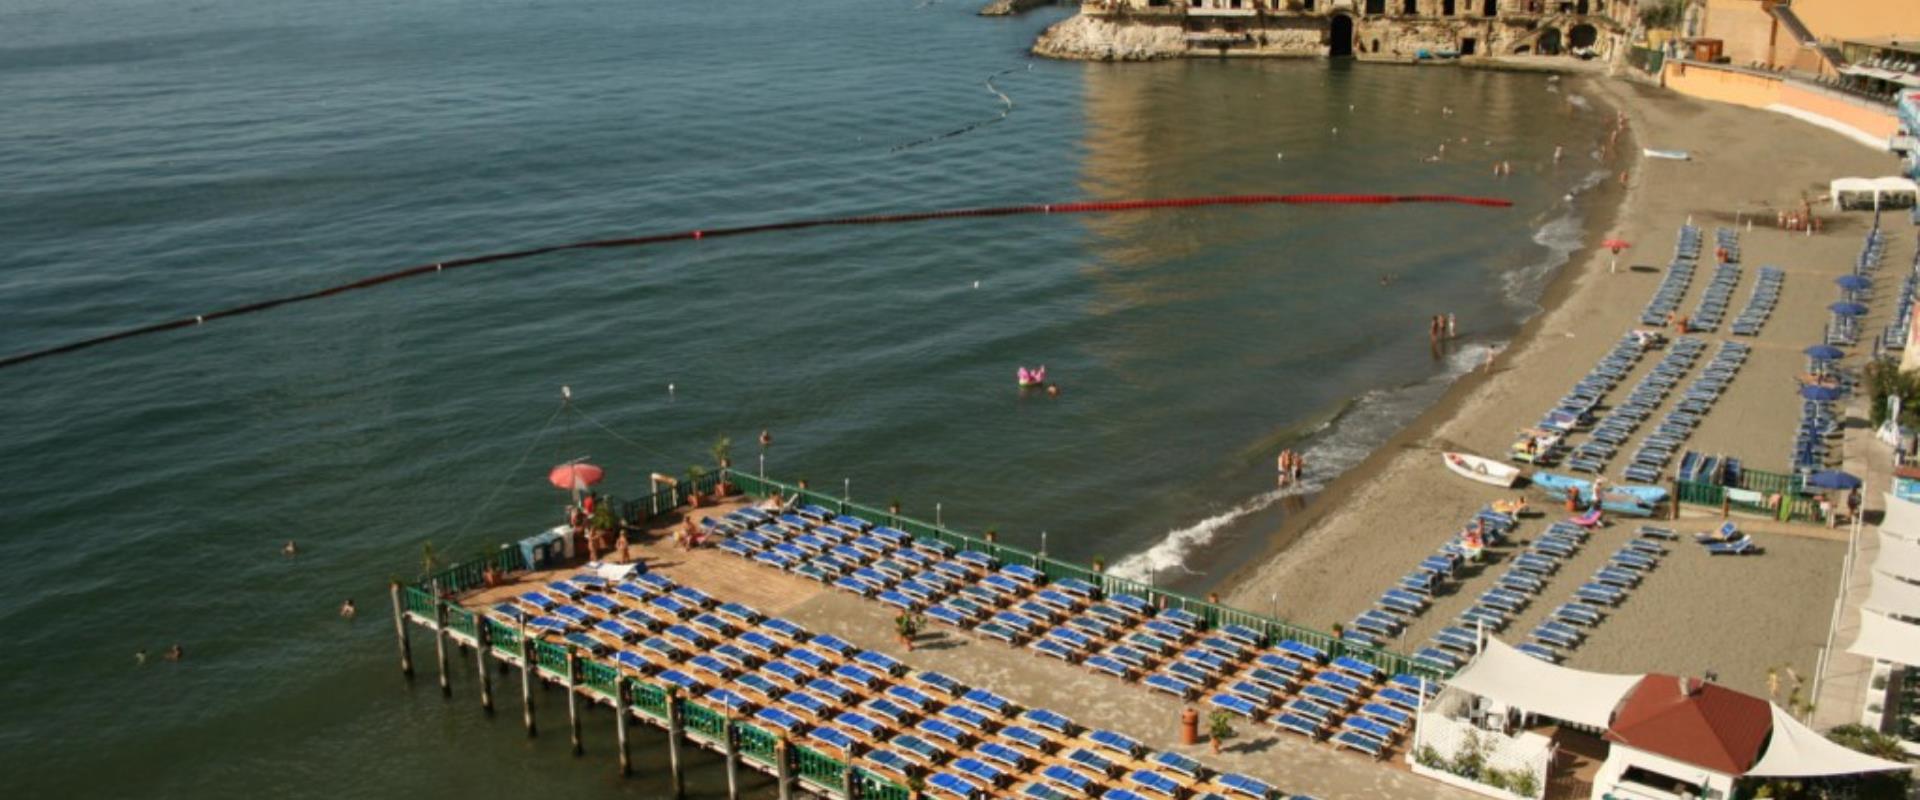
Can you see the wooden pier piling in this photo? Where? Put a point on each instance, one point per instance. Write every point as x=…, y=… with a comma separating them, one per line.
x=573, y=698
x=620, y=725
x=400, y=631
x=526, y=682
x=783, y=768
x=483, y=641
x=440, y=640
x=675, y=730
x=730, y=741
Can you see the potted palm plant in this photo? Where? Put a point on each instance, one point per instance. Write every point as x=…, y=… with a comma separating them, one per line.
x=908, y=626
x=1219, y=727
x=723, y=455
x=695, y=474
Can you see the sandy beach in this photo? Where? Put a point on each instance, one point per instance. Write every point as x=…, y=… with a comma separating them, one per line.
x=1735, y=617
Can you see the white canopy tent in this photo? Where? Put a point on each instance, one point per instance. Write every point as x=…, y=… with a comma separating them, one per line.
x=1887, y=639
x=1797, y=751
x=1872, y=193
x=1893, y=596
x=1506, y=675
x=1902, y=519
x=1897, y=557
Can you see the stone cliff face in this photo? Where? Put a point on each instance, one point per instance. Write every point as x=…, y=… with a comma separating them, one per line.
x=1086, y=38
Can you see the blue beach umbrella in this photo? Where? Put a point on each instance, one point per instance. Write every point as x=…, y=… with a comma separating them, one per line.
x=1824, y=352
x=1846, y=309
x=1822, y=393
x=1853, y=282
x=1833, y=479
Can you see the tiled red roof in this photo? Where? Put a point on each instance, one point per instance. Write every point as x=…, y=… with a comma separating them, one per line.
x=1708, y=725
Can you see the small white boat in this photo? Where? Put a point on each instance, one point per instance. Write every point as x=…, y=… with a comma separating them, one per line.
x=1670, y=155
x=1484, y=470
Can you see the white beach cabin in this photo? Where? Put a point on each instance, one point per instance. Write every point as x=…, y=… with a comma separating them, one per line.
x=1869, y=194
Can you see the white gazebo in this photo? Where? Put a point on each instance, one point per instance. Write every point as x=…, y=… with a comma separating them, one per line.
x=1873, y=193
x=1666, y=736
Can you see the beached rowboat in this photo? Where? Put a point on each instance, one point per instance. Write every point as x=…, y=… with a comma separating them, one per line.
x=1484, y=470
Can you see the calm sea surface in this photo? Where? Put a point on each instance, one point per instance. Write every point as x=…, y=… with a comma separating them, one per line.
x=168, y=158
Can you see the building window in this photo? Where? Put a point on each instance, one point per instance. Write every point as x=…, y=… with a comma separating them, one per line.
x=1446, y=8
x=1376, y=6
x=1410, y=8
x=1490, y=8
x=1308, y=5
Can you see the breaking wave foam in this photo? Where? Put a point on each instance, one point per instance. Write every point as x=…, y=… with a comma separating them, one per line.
x=1332, y=449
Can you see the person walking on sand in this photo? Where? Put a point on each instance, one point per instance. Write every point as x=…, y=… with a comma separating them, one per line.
x=1853, y=506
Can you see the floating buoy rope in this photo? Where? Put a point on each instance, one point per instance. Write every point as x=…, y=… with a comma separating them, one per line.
x=1094, y=207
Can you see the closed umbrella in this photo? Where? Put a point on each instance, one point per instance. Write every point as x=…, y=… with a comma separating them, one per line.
x=1853, y=282
x=1846, y=309
x=1821, y=393
x=1824, y=352
x=1833, y=479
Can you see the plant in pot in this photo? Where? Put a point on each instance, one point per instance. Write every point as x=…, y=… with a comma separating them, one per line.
x=908, y=626
x=599, y=526
x=695, y=474
x=1219, y=727
x=723, y=455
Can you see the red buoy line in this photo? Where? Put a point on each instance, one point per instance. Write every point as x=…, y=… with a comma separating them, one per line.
x=1105, y=207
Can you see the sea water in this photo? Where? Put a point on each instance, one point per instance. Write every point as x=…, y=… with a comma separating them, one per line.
x=163, y=159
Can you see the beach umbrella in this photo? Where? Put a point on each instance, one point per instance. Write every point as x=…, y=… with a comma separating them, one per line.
x=1846, y=309
x=575, y=476
x=1853, y=282
x=1616, y=245
x=1824, y=352
x=1821, y=393
x=1833, y=479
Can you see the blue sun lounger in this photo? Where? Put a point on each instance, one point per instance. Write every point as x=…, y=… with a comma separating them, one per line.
x=1356, y=740
x=779, y=719
x=911, y=696
x=1386, y=714
x=1744, y=547
x=1254, y=692
x=966, y=716
x=980, y=770
x=1296, y=665
x=552, y=624
x=1305, y=726
x=1436, y=657
x=1272, y=679
x=943, y=731
x=1048, y=720
x=1002, y=755
x=682, y=680
x=1115, y=742
x=1162, y=682
x=919, y=749
x=949, y=784
x=1244, y=786
x=1087, y=759
x=573, y=614
x=1027, y=737
x=1072, y=780
x=1177, y=763
x=1235, y=704
x=890, y=762
x=1327, y=695
x=888, y=710
x=1154, y=783
x=833, y=738
x=866, y=725
x=1578, y=614
x=1539, y=652
x=1599, y=593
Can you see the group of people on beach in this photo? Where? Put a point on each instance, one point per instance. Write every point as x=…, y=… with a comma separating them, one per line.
x=1441, y=326
x=1291, y=465
x=1801, y=220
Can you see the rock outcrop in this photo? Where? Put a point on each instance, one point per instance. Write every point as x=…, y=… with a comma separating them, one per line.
x=1007, y=8
x=1084, y=38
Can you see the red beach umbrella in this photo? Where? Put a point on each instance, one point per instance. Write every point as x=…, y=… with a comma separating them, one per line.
x=570, y=476
x=1616, y=245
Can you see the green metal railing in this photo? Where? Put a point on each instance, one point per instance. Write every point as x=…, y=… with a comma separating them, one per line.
x=1783, y=496
x=756, y=744
x=704, y=722
x=818, y=768
x=550, y=658
x=462, y=621
x=1215, y=615
x=651, y=700
x=416, y=600
x=1646, y=59
x=601, y=679
x=505, y=638
x=472, y=574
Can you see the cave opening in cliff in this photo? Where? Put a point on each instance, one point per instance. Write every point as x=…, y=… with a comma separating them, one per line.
x=1340, y=44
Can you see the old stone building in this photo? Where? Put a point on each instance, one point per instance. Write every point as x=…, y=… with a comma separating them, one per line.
x=1370, y=29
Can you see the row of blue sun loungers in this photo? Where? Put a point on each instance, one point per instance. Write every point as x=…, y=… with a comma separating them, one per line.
x=1610, y=433
x=1673, y=286
x=1760, y=304
x=1727, y=240
x=1413, y=593
x=1698, y=399
x=1718, y=470
x=1497, y=607
x=1818, y=424
x=1574, y=410
x=1567, y=626
x=1637, y=408
x=1167, y=650
x=1712, y=307
x=1895, y=337
x=862, y=705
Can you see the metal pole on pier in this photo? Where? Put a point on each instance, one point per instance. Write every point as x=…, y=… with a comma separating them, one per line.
x=620, y=724
x=483, y=638
x=526, y=681
x=674, y=729
x=400, y=632
x=440, y=640
x=783, y=768
x=573, y=698
x=731, y=738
